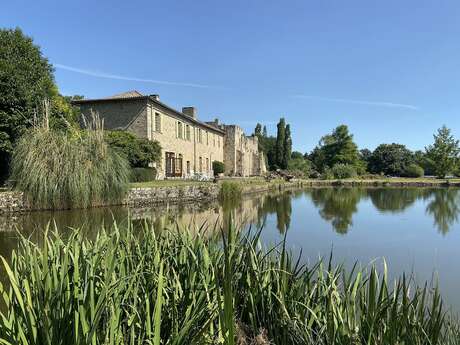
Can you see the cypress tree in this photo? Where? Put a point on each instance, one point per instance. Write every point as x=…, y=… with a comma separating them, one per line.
x=258, y=130
x=287, y=147
x=280, y=138
x=264, y=132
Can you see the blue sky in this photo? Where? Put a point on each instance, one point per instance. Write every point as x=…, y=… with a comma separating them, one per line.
x=387, y=69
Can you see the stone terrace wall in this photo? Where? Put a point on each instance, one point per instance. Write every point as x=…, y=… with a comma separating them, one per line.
x=15, y=201
x=148, y=196
x=12, y=202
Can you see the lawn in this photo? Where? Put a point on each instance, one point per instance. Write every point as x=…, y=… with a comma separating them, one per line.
x=261, y=181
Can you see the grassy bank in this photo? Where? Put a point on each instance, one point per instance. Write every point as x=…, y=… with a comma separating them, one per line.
x=259, y=181
x=174, y=287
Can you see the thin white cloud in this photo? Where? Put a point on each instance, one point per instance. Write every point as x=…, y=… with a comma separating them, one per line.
x=119, y=77
x=353, y=101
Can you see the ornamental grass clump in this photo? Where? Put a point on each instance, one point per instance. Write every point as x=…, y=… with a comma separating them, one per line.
x=75, y=168
x=188, y=286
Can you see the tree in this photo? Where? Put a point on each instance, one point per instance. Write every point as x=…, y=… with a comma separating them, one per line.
x=390, y=159
x=258, y=130
x=287, y=147
x=264, y=132
x=280, y=139
x=443, y=154
x=337, y=148
x=26, y=81
x=296, y=155
x=139, y=152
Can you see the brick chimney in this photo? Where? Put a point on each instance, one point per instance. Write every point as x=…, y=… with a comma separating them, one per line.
x=189, y=111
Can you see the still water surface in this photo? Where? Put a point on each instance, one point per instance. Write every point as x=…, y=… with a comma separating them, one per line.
x=416, y=230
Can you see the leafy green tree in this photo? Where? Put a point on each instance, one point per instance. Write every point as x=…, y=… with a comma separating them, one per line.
x=443, y=155
x=337, y=148
x=139, y=152
x=26, y=81
x=287, y=147
x=390, y=159
x=280, y=140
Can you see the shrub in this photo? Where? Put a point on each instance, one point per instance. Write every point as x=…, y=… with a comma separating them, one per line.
x=341, y=171
x=143, y=174
x=73, y=169
x=327, y=174
x=218, y=167
x=230, y=191
x=301, y=165
x=414, y=170
x=140, y=152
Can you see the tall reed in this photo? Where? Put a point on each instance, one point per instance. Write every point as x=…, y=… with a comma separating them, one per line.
x=187, y=287
x=68, y=169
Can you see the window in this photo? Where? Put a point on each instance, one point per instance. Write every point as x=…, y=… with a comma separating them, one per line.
x=187, y=132
x=179, y=130
x=207, y=138
x=152, y=124
x=214, y=140
x=200, y=137
x=200, y=164
x=207, y=164
x=188, y=167
x=157, y=122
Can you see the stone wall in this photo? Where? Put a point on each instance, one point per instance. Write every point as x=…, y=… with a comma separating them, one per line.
x=241, y=153
x=148, y=196
x=15, y=201
x=12, y=202
x=138, y=197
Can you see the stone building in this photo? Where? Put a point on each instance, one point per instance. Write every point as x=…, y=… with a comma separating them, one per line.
x=188, y=145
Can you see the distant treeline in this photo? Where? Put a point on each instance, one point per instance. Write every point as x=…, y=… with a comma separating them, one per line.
x=338, y=156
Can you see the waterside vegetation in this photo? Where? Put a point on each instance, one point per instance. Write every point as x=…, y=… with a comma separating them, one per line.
x=68, y=169
x=180, y=286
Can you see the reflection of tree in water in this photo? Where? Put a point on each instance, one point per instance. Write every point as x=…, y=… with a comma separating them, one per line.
x=394, y=200
x=444, y=207
x=279, y=204
x=337, y=205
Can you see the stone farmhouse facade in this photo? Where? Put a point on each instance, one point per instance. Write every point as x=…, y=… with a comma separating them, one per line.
x=189, y=146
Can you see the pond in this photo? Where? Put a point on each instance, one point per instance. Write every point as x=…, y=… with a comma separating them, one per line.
x=416, y=230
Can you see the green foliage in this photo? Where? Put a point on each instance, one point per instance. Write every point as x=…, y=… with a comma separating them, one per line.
x=341, y=171
x=301, y=165
x=287, y=147
x=218, y=167
x=143, y=174
x=337, y=148
x=178, y=287
x=390, y=159
x=296, y=155
x=230, y=191
x=280, y=144
x=74, y=169
x=414, y=170
x=327, y=174
x=26, y=80
x=443, y=155
x=274, y=147
x=258, y=130
x=140, y=152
